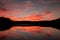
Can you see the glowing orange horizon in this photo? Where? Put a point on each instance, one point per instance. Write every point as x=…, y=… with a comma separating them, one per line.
x=32, y=17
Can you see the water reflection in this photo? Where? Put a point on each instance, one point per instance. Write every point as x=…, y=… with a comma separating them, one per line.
x=30, y=33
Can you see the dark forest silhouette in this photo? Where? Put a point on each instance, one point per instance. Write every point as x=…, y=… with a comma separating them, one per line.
x=6, y=23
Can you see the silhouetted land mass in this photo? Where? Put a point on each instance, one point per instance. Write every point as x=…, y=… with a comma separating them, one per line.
x=6, y=23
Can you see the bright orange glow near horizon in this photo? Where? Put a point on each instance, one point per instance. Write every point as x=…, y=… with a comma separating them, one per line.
x=32, y=17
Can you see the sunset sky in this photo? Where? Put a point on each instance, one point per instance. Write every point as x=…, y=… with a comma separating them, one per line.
x=31, y=10
x=27, y=9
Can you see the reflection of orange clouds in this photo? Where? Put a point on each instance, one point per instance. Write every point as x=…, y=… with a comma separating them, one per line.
x=32, y=29
x=4, y=35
